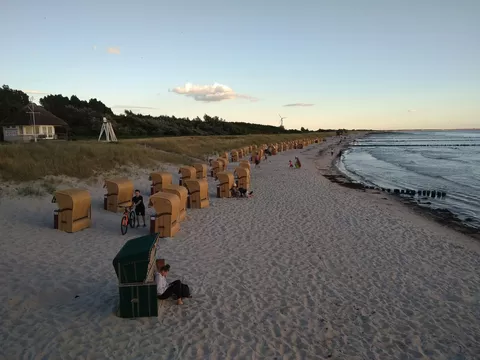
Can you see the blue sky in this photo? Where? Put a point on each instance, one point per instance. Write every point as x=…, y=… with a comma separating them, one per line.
x=380, y=64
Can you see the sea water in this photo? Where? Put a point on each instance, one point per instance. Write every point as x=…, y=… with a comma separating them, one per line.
x=447, y=161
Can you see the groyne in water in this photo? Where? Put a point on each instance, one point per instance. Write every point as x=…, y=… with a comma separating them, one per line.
x=342, y=180
x=410, y=145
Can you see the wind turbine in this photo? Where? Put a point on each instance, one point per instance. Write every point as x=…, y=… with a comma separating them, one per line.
x=281, y=120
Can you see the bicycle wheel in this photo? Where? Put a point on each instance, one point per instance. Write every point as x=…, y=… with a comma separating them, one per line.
x=124, y=225
x=132, y=219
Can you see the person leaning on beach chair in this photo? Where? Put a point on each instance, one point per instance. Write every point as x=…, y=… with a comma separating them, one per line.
x=166, y=290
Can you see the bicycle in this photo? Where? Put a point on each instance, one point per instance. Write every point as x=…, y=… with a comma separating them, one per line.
x=128, y=218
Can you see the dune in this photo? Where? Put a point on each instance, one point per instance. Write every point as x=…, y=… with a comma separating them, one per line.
x=304, y=269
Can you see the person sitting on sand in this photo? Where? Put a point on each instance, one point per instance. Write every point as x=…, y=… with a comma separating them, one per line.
x=290, y=164
x=137, y=200
x=240, y=192
x=166, y=290
x=234, y=191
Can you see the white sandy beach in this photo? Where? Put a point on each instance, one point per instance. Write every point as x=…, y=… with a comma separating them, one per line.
x=305, y=269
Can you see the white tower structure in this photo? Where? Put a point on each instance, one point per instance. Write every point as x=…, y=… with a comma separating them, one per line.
x=32, y=112
x=107, y=128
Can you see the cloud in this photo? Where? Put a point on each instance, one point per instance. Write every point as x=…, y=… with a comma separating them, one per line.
x=133, y=107
x=412, y=110
x=94, y=47
x=35, y=92
x=113, y=50
x=210, y=93
x=299, y=104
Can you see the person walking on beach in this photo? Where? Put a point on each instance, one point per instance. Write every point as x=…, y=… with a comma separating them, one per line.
x=137, y=200
x=257, y=160
x=332, y=152
x=166, y=290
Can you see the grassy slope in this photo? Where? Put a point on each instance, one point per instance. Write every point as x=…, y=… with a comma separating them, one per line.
x=83, y=159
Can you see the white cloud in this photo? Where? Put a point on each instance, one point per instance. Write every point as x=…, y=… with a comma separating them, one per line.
x=412, y=110
x=299, y=104
x=35, y=92
x=132, y=107
x=113, y=50
x=210, y=93
x=94, y=47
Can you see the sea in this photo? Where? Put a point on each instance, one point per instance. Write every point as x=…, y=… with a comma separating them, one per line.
x=445, y=161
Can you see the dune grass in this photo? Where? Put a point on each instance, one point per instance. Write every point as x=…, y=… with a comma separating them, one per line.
x=26, y=162
x=84, y=159
x=199, y=146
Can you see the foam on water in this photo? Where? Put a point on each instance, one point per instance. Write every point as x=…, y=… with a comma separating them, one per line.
x=453, y=169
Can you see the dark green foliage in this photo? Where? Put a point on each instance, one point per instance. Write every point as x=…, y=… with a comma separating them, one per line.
x=85, y=119
x=11, y=101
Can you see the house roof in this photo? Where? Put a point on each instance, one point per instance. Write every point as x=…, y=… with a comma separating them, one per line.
x=42, y=117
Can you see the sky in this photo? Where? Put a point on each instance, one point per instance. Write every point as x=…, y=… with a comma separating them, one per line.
x=355, y=64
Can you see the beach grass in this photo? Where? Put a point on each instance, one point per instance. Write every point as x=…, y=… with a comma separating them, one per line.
x=30, y=190
x=200, y=146
x=85, y=159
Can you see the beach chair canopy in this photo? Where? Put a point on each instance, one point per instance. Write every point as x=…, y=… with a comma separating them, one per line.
x=180, y=191
x=187, y=172
x=201, y=170
x=135, y=259
x=119, y=186
x=76, y=200
x=223, y=161
x=161, y=177
x=165, y=204
x=225, y=178
x=198, y=186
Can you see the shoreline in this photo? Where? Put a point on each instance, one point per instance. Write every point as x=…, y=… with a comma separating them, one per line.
x=442, y=216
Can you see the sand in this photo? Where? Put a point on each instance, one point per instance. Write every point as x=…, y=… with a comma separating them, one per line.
x=306, y=269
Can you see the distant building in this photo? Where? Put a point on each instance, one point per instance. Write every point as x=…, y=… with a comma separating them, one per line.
x=19, y=126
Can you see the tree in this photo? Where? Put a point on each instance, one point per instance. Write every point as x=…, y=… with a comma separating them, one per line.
x=11, y=101
x=85, y=119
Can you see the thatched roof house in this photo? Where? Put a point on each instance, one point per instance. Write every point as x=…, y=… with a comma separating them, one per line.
x=19, y=126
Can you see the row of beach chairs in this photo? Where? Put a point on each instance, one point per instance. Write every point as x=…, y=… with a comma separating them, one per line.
x=170, y=201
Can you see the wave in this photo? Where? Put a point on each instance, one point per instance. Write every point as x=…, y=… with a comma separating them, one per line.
x=454, y=171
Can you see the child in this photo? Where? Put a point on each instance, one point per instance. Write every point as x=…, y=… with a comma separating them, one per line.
x=137, y=200
x=290, y=164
